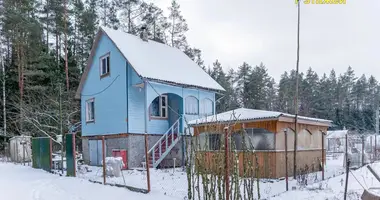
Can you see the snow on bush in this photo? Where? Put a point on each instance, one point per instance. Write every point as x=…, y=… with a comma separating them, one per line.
x=114, y=166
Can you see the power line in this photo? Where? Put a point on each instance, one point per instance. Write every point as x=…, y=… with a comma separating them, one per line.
x=160, y=94
x=103, y=89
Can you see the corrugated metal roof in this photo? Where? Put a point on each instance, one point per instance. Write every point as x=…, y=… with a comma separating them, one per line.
x=337, y=134
x=245, y=114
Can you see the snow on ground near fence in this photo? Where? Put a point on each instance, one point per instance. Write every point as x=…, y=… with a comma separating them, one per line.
x=333, y=189
x=175, y=184
x=19, y=182
x=23, y=182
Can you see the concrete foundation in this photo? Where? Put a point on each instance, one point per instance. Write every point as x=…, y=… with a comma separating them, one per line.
x=135, y=146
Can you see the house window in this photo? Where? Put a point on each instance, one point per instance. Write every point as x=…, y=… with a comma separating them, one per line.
x=105, y=65
x=191, y=106
x=206, y=107
x=159, y=107
x=90, y=110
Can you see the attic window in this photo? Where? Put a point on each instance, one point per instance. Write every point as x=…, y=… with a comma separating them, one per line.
x=105, y=65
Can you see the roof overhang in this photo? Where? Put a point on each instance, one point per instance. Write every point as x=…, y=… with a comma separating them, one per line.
x=280, y=118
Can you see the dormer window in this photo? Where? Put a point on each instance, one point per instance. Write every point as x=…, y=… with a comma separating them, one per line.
x=105, y=65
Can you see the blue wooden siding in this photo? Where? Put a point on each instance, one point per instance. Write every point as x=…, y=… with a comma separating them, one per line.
x=120, y=107
x=135, y=103
x=110, y=104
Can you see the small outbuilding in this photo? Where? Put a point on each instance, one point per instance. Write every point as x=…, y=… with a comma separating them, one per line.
x=20, y=148
x=258, y=136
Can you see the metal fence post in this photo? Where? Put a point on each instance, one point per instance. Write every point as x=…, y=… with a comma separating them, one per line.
x=147, y=162
x=104, y=160
x=362, y=150
x=323, y=156
x=286, y=159
x=226, y=178
x=347, y=168
x=375, y=148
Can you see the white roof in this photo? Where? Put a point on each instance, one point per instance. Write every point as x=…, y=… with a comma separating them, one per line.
x=337, y=134
x=245, y=114
x=157, y=61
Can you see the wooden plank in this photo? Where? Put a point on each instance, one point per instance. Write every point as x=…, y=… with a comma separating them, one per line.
x=369, y=196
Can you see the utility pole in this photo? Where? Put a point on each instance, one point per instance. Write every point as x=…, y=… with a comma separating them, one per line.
x=296, y=96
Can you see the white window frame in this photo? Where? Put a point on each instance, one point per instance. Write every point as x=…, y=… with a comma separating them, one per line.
x=161, y=107
x=188, y=112
x=90, y=117
x=164, y=107
x=108, y=68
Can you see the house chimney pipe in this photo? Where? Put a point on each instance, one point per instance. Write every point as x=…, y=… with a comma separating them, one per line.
x=144, y=34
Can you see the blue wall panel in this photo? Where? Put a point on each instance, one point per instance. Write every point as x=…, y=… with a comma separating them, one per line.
x=110, y=104
x=120, y=107
x=135, y=104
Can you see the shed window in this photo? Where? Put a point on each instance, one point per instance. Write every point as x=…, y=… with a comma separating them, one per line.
x=254, y=138
x=105, y=65
x=191, y=105
x=206, y=107
x=90, y=110
x=159, y=107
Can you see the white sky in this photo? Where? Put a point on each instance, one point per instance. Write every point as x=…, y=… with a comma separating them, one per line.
x=332, y=36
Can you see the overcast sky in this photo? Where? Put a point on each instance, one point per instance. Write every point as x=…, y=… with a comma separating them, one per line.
x=332, y=36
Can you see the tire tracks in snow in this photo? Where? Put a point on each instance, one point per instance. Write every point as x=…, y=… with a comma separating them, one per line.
x=51, y=187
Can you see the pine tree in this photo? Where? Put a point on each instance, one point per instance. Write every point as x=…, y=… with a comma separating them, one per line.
x=195, y=55
x=155, y=22
x=178, y=27
x=309, y=95
x=243, y=81
x=256, y=91
x=130, y=10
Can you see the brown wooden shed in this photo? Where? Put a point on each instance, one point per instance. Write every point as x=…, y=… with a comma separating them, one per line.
x=265, y=133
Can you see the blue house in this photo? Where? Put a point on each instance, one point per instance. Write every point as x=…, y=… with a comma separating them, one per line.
x=132, y=87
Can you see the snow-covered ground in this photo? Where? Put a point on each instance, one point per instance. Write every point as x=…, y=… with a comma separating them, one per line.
x=174, y=184
x=19, y=182
x=333, y=189
x=23, y=182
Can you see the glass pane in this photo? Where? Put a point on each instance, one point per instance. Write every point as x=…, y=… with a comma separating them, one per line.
x=154, y=108
x=163, y=99
x=163, y=112
x=92, y=110
x=108, y=64
x=103, y=66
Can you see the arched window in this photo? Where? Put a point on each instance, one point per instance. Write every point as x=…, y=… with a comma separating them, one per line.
x=207, y=107
x=158, y=107
x=191, y=105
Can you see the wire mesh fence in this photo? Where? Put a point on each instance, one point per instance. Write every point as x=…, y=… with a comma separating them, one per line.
x=108, y=163
x=361, y=149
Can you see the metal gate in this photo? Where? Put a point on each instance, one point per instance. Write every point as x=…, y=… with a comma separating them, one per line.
x=42, y=153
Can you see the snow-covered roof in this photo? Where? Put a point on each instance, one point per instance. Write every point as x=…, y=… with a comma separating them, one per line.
x=245, y=114
x=336, y=134
x=158, y=61
x=155, y=61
